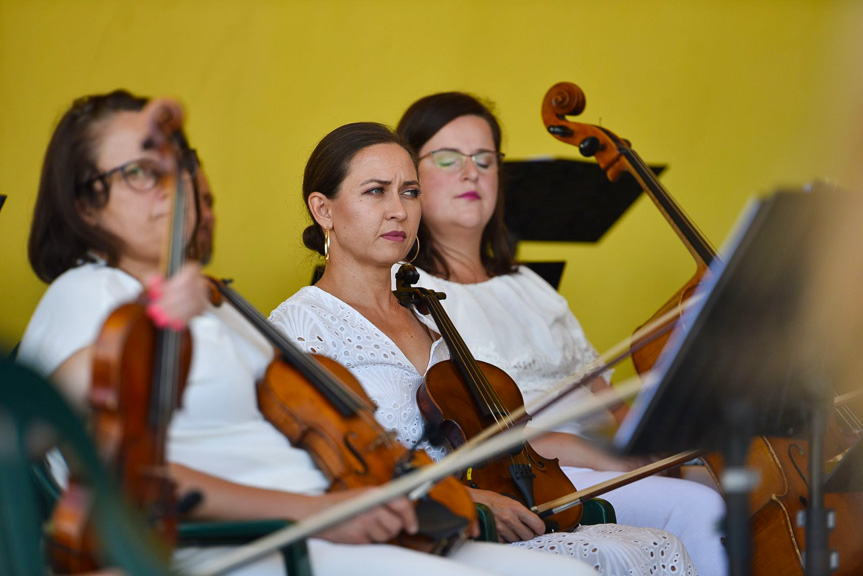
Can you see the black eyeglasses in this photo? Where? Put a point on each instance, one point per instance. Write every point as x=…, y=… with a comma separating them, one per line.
x=450, y=160
x=140, y=175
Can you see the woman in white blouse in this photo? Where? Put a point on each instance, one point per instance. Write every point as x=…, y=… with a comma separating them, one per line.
x=362, y=192
x=99, y=226
x=511, y=318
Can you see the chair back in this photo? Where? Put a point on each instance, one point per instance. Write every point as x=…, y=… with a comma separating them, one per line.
x=33, y=416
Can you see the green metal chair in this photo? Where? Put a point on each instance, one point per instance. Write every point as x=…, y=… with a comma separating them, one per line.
x=32, y=412
x=30, y=408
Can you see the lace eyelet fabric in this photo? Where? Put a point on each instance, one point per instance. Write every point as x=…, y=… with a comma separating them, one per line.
x=618, y=550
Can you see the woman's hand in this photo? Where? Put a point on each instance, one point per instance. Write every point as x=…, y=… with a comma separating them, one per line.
x=175, y=301
x=571, y=450
x=514, y=522
x=380, y=524
x=226, y=500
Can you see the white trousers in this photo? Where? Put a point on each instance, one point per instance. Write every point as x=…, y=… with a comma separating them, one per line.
x=471, y=559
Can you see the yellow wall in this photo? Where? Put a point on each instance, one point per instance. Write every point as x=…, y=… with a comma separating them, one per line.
x=736, y=97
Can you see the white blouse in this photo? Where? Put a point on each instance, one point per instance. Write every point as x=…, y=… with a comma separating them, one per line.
x=520, y=324
x=218, y=421
x=320, y=323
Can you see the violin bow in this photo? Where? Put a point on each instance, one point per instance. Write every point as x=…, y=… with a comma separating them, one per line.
x=413, y=484
x=493, y=441
x=623, y=349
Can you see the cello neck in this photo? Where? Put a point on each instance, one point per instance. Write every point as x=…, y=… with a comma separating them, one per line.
x=614, y=157
x=697, y=244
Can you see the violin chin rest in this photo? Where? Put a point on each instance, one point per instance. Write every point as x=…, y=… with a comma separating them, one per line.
x=438, y=522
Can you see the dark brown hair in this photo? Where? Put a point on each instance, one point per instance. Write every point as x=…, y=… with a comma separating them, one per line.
x=418, y=125
x=59, y=237
x=329, y=163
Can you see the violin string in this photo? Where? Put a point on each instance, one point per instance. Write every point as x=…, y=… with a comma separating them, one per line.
x=858, y=424
x=460, y=350
x=359, y=407
x=492, y=398
x=293, y=355
x=852, y=422
x=169, y=341
x=493, y=401
x=606, y=360
x=474, y=373
x=649, y=178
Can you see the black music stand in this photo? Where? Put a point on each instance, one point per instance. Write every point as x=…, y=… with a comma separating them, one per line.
x=564, y=200
x=742, y=363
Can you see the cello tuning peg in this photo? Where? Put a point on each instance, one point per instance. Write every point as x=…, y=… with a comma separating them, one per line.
x=562, y=131
x=589, y=146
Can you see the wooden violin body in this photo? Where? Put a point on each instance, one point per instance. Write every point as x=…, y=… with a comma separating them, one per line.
x=139, y=372
x=445, y=400
x=321, y=407
x=353, y=452
x=124, y=404
x=464, y=397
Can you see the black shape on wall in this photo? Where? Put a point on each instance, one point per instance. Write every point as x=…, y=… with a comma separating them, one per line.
x=564, y=200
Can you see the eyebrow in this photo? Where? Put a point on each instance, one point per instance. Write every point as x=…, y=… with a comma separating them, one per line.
x=478, y=150
x=388, y=182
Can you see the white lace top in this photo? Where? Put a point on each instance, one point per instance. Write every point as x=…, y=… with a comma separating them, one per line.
x=320, y=323
x=520, y=324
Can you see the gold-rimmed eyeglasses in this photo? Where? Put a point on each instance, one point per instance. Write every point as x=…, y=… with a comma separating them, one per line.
x=451, y=160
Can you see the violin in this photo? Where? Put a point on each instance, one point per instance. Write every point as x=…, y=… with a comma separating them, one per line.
x=462, y=397
x=139, y=373
x=781, y=463
x=319, y=406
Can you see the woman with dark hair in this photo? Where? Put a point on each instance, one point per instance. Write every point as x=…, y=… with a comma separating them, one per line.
x=511, y=318
x=99, y=227
x=362, y=193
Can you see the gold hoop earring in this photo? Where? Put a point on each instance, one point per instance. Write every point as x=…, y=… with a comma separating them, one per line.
x=418, y=252
x=327, y=244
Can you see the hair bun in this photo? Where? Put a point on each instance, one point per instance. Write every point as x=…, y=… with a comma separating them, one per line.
x=313, y=238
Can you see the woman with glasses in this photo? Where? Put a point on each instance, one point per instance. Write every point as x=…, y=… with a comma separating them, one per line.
x=511, y=318
x=99, y=226
x=363, y=195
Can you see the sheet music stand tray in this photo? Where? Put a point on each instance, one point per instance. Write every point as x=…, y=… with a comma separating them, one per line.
x=739, y=366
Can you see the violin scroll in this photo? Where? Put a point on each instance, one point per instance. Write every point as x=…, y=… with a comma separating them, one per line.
x=165, y=126
x=407, y=295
